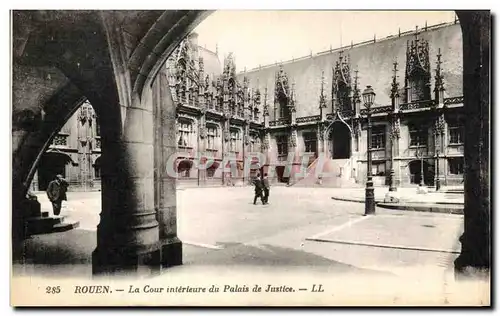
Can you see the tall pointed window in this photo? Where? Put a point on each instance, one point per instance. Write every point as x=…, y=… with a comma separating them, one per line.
x=418, y=72
x=378, y=137
x=185, y=132
x=309, y=142
x=343, y=96
x=212, y=137
x=234, y=142
x=418, y=87
x=418, y=135
x=455, y=132
x=282, y=142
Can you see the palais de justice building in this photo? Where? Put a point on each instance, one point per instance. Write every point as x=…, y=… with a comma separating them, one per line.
x=310, y=105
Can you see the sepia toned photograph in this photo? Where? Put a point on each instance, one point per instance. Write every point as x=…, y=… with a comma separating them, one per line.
x=250, y=158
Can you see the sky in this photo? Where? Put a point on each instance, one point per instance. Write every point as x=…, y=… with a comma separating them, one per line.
x=266, y=37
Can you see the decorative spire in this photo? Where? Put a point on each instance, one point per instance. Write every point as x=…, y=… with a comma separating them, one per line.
x=292, y=97
x=416, y=35
x=417, y=55
x=201, y=65
x=322, y=99
x=266, y=107
x=439, y=76
x=395, y=84
x=356, y=95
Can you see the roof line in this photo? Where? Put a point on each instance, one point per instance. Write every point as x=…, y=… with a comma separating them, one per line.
x=424, y=29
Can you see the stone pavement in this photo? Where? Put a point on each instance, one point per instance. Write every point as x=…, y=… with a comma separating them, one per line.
x=443, y=201
x=301, y=227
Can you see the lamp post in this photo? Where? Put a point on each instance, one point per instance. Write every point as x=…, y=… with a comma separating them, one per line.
x=369, y=98
x=438, y=182
x=392, y=174
x=421, y=157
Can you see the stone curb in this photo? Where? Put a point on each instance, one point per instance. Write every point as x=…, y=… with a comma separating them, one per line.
x=424, y=207
x=432, y=208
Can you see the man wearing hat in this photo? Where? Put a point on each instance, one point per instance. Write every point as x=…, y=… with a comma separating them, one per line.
x=56, y=192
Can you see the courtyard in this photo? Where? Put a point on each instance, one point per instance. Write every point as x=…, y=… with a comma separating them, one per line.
x=300, y=227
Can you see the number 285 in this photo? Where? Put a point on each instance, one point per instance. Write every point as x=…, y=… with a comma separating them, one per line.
x=53, y=289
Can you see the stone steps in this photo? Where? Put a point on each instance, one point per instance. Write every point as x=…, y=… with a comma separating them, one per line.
x=46, y=224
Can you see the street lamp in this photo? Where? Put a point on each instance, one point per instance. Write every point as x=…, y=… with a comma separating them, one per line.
x=369, y=98
x=421, y=157
x=438, y=182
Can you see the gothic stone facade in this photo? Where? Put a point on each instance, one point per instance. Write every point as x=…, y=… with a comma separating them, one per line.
x=314, y=105
x=74, y=153
x=311, y=105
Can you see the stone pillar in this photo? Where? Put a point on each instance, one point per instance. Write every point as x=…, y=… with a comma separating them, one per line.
x=127, y=234
x=475, y=254
x=202, y=146
x=165, y=186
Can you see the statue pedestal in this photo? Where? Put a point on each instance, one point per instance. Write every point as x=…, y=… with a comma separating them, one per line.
x=392, y=197
x=422, y=190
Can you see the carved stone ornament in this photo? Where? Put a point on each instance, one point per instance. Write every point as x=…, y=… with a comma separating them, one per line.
x=440, y=124
x=203, y=132
x=396, y=128
x=417, y=56
x=265, y=144
x=321, y=132
x=293, y=138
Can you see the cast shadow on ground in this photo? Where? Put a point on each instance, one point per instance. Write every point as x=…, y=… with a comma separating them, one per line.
x=70, y=253
x=266, y=255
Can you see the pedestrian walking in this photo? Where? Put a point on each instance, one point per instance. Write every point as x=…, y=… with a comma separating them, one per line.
x=257, y=182
x=56, y=192
x=266, y=188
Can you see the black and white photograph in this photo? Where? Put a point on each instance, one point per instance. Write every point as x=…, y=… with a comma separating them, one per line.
x=250, y=158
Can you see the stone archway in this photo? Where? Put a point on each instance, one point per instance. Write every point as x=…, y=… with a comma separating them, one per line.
x=339, y=140
x=134, y=66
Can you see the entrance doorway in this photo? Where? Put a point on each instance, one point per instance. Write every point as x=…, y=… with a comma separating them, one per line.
x=280, y=172
x=416, y=172
x=340, y=141
x=51, y=164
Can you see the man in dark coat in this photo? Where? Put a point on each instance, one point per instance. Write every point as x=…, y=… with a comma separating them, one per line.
x=56, y=192
x=266, y=187
x=257, y=182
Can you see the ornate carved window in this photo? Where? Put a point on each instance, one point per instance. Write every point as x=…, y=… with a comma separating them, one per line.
x=309, y=142
x=378, y=137
x=418, y=72
x=341, y=84
x=184, y=168
x=212, y=137
x=456, y=165
x=378, y=168
x=185, y=130
x=282, y=143
x=418, y=135
x=455, y=132
x=281, y=94
x=256, y=114
x=418, y=87
x=343, y=96
x=234, y=141
x=283, y=110
x=254, y=143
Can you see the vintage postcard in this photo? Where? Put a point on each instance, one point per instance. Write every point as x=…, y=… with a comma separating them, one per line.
x=250, y=158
